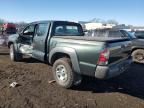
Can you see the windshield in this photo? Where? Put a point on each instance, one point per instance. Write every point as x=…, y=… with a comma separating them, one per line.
x=128, y=34
x=68, y=29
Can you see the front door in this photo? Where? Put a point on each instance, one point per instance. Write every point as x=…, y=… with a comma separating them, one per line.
x=24, y=42
x=39, y=41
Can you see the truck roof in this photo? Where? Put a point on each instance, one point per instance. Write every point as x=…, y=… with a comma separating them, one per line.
x=52, y=21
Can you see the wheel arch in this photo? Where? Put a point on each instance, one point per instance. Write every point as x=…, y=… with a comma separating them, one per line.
x=136, y=48
x=60, y=52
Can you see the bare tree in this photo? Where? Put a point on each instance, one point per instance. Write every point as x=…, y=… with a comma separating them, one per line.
x=112, y=21
x=2, y=21
x=98, y=20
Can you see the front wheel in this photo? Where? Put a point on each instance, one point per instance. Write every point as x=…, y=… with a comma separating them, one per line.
x=14, y=56
x=138, y=56
x=63, y=73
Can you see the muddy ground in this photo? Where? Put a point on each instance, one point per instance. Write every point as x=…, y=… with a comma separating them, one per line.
x=34, y=91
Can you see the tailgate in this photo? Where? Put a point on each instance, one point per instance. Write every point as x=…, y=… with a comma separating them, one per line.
x=119, y=50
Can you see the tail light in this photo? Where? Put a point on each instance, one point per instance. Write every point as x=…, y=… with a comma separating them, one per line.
x=104, y=57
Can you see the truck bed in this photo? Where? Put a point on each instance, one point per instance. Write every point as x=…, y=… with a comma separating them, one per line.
x=119, y=47
x=88, y=38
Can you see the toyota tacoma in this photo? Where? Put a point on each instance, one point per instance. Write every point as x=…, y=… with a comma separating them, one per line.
x=71, y=53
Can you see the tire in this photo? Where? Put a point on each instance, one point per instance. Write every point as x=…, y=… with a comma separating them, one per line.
x=64, y=75
x=14, y=56
x=138, y=56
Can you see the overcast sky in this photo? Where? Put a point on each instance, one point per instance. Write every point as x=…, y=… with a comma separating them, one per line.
x=124, y=11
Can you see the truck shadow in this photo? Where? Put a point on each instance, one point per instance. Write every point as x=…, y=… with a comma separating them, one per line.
x=131, y=83
x=4, y=53
x=30, y=60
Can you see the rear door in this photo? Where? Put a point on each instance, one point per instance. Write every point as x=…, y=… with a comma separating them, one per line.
x=40, y=40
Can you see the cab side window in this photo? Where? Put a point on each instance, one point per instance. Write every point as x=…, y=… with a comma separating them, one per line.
x=41, y=29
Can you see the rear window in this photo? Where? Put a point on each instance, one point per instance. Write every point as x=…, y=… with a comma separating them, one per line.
x=105, y=33
x=67, y=29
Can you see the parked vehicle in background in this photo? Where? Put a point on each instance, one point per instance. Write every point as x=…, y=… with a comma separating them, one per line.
x=138, y=47
x=139, y=34
x=3, y=40
x=72, y=54
x=137, y=39
x=115, y=33
x=9, y=28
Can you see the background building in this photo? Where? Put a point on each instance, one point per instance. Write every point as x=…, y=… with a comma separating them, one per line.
x=93, y=26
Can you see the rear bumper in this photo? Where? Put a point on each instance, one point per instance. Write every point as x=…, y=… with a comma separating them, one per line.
x=105, y=72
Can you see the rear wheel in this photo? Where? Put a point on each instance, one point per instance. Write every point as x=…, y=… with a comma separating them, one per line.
x=63, y=73
x=14, y=56
x=138, y=56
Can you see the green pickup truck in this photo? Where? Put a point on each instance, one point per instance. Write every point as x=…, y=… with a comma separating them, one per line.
x=63, y=45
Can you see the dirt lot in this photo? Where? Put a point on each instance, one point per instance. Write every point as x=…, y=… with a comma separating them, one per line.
x=125, y=91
